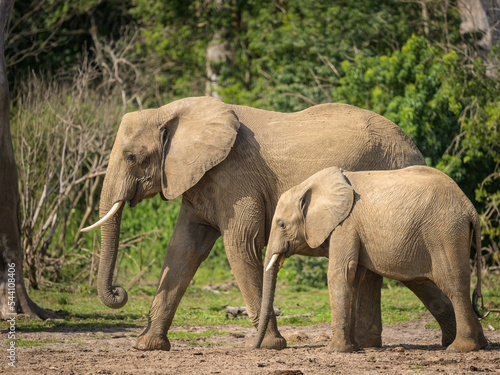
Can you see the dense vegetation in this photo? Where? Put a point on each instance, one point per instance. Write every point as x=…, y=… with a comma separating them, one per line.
x=76, y=66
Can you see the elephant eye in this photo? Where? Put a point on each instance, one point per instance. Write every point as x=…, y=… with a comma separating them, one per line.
x=130, y=157
x=281, y=224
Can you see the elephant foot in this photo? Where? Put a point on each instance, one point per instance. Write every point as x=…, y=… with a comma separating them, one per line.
x=463, y=346
x=341, y=346
x=369, y=340
x=271, y=341
x=146, y=341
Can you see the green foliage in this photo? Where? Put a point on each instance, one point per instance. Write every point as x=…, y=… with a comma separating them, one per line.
x=415, y=87
x=305, y=272
x=293, y=55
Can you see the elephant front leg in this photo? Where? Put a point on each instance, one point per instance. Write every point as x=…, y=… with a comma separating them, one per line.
x=247, y=268
x=189, y=246
x=343, y=279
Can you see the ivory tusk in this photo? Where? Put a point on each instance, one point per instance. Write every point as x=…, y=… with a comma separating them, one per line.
x=272, y=261
x=106, y=217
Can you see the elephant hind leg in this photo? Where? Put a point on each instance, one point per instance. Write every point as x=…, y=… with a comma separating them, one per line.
x=470, y=335
x=439, y=305
x=455, y=284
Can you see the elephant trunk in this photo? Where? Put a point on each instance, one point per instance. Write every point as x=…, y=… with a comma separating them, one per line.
x=270, y=276
x=112, y=296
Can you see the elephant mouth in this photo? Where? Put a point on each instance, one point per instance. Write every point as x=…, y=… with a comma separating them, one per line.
x=135, y=201
x=139, y=196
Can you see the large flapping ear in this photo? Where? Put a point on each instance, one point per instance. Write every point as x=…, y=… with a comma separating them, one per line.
x=325, y=202
x=198, y=134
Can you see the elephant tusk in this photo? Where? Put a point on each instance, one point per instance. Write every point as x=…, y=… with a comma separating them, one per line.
x=273, y=260
x=106, y=217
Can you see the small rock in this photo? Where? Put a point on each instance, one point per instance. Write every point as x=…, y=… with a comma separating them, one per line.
x=398, y=349
x=235, y=311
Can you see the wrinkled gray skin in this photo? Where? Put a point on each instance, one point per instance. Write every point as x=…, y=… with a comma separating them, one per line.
x=413, y=224
x=230, y=164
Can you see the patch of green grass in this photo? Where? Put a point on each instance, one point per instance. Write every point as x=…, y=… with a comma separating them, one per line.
x=399, y=304
x=202, y=343
x=62, y=300
x=197, y=335
x=21, y=342
x=79, y=342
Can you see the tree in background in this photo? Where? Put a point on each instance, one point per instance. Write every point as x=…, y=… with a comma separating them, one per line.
x=13, y=296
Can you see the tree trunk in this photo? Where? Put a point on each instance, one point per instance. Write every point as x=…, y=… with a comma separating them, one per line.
x=218, y=55
x=13, y=296
x=482, y=17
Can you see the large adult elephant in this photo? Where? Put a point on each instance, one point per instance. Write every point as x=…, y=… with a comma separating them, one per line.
x=231, y=164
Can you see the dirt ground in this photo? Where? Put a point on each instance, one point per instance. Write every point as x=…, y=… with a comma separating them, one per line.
x=408, y=348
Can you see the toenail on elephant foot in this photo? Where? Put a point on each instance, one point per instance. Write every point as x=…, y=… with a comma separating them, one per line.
x=148, y=342
x=338, y=346
x=276, y=342
x=463, y=346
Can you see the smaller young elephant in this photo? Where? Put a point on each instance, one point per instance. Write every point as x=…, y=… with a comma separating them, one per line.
x=412, y=224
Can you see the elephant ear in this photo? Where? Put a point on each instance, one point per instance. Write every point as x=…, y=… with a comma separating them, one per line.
x=197, y=135
x=326, y=201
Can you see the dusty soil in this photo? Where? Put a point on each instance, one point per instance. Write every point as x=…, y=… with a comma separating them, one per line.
x=408, y=348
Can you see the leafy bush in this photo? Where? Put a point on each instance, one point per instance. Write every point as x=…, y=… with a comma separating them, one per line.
x=61, y=135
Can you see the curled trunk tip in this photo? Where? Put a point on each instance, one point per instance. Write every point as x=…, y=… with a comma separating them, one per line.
x=115, y=298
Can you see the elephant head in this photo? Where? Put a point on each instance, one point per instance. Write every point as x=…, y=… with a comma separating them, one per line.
x=165, y=150
x=305, y=215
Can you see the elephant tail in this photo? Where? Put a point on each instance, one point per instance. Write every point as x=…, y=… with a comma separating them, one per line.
x=477, y=295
